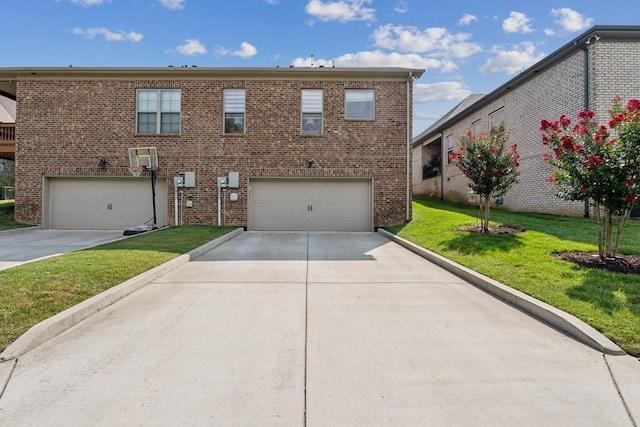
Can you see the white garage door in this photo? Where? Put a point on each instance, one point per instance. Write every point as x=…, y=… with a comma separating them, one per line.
x=310, y=205
x=104, y=203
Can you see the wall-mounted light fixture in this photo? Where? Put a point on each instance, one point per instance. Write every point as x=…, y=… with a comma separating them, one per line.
x=102, y=163
x=310, y=163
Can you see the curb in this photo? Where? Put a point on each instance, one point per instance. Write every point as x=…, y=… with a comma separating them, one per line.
x=55, y=325
x=559, y=319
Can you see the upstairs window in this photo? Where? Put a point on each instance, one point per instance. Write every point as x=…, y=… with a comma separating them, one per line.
x=449, y=141
x=312, y=111
x=359, y=104
x=496, y=116
x=158, y=111
x=234, y=106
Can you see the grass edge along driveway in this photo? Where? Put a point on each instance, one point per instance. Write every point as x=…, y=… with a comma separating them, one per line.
x=610, y=302
x=33, y=292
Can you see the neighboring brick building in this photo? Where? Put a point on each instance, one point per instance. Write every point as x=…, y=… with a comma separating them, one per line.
x=314, y=148
x=587, y=73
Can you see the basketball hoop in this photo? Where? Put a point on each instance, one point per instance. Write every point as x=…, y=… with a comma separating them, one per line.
x=136, y=170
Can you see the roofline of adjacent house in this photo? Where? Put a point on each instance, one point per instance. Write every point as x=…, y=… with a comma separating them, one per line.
x=617, y=32
x=9, y=76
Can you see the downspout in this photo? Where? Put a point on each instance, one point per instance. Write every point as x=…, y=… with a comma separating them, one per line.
x=442, y=160
x=409, y=140
x=586, y=103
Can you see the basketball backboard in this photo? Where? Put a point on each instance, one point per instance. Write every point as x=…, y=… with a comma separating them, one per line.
x=147, y=157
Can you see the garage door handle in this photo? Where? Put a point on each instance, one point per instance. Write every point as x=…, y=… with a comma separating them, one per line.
x=310, y=207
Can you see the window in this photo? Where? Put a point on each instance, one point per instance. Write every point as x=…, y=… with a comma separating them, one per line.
x=497, y=116
x=476, y=127
x=158, y=111
x=449, y=140
x=312, y=111
x=359, y=104
x=234, y=104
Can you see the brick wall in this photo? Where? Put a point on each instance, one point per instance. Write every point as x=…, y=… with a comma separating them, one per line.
x=64, y=127
x=559, y=89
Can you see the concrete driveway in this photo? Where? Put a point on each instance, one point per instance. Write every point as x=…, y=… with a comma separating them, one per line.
x=20, y=246
x=317, y=329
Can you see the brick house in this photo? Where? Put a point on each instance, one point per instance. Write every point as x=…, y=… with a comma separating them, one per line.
x=586, y=73
x=299, y=148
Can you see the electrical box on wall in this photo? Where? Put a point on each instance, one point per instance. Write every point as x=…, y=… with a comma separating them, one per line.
x=222, y=181
x=178, y=181
x=189, y=179
x=234, y=179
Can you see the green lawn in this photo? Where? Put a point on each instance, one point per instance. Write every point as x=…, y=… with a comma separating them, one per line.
x=609, y=302
x=35, y=291
x=6, y=216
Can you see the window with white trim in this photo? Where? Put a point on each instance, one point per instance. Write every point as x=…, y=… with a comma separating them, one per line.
x=449, y=140
x=311, y=111
x=359, y=104
x=234, y=110
x=476, y=127
x=496, y=116
x=158, y=111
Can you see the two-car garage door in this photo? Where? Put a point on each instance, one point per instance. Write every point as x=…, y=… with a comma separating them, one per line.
x=104, y=203
x=310, y=204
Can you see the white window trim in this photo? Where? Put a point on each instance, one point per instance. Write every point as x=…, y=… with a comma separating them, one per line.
x=158, y=111
x=234, y=111
x=315, y=108
x=373, y=102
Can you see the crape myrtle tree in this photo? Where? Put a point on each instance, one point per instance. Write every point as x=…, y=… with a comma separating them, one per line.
x=490, y=164
x=599, y=163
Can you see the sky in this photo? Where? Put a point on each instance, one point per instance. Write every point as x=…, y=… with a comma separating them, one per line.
x=465, y=47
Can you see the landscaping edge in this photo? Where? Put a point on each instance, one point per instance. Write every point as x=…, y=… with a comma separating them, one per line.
x=553, y=316
x=55, y=325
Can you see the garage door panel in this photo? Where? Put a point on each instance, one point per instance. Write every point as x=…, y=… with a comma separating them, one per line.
x=104, y=203
x=310, y=205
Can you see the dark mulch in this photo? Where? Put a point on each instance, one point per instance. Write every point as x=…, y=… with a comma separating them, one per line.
x=498, y=229
x=629, y=264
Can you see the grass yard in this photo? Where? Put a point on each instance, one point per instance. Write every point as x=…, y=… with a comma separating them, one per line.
x=610, y=302
x=6, y=216
x=32, y=292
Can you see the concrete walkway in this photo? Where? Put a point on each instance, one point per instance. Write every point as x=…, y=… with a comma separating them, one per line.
x=315, y=329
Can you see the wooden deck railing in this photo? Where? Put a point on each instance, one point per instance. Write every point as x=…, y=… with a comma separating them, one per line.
x=7, y=140
x=7, y=132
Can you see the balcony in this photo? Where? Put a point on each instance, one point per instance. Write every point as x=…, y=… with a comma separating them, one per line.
x=8, y=141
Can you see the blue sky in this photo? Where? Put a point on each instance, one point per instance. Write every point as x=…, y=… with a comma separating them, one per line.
x=465, y=46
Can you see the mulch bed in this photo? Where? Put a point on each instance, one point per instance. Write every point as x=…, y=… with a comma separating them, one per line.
x=629, y=264
x=499, y=229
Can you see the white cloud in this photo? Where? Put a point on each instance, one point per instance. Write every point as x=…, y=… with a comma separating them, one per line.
x=435, y=40
x=378, y=58
x=110, y=36
x=517, y=22
x=342, y=10
x=272, y=1
x=570, y=20
x=89, y=2
x=247, y=50
x=549, y=32
x=441, y=91
x=192, y=47
x=401, y=7
x=173, y=4
x=467, y=19
x=512, y=60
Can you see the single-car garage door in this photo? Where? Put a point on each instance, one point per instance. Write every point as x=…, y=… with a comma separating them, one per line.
x=310, y=204
x=104, y=203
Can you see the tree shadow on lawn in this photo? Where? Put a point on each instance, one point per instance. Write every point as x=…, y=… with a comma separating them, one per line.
x=478, y=243
x=609, y=292
x=575, y=229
